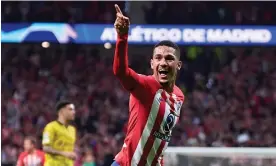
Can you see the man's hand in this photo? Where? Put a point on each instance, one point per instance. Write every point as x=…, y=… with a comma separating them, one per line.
x=70, y=155
x=122, y=22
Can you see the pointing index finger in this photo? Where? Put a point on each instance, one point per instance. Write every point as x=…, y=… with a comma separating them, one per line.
x=118, y=10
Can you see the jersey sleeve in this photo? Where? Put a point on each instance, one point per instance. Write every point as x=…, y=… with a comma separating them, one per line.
x=48, y=135
x=128, y=78
x=20, y=160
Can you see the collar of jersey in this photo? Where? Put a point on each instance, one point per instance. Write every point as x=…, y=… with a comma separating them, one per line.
x=62, y=124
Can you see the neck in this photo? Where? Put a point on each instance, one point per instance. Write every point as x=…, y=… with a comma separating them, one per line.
x=62, y=121
x=168, y=86
x=31, y=151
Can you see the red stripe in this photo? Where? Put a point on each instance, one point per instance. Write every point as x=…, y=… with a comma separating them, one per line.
x=158, y=153
x=172, y=104
x=158, y=121
x=133, y=138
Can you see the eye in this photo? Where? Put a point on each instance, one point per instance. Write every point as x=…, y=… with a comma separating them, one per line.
x=170, y=58
x=158, y=57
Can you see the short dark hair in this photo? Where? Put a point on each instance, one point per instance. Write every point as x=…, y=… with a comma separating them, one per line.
x=62, y=104
x=31, y=139
x=169, y=44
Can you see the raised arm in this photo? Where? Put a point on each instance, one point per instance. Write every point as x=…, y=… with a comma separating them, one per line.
x=129, y=78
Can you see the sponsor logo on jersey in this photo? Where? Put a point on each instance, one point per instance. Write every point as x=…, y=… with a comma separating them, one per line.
x=162, y=136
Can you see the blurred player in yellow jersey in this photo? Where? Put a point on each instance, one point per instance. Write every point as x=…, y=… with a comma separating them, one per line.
x=59, y=137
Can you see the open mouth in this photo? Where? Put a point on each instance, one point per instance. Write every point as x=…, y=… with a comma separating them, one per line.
x=163, y=73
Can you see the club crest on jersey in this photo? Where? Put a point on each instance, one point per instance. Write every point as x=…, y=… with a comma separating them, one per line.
x=169, y=124
x=166, y=130
x=160, y=99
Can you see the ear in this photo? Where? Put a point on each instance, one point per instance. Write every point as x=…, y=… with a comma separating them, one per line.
x=179, y=65
x=151, y=64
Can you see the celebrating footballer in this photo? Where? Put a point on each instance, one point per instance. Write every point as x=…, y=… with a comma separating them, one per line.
x=155, y=100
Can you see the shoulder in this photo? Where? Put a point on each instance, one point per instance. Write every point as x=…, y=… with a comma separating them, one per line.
x=150, y=85
x=151, y=81
x=142, y=77
x=22, y=155
x=149, y=77
x=50, y=125
x=39, y=152
x=147, y=81
x=53, y=123
x=72, y=128
x=146, y=77
x=178, y=92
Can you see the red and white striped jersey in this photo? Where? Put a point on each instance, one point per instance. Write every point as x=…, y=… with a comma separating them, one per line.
x=35, y=159
x=153, y=114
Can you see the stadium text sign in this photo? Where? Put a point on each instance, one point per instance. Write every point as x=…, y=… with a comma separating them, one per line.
x=139, y=34
x=189, y=35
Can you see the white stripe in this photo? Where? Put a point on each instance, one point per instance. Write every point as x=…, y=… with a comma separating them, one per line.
x=35, y=160
x=158, y=141
x=165, y=147
x=29, y=159
x=153, y=151
x=148, y=127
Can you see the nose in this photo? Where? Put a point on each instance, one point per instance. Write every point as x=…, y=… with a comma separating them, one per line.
x=163, y=62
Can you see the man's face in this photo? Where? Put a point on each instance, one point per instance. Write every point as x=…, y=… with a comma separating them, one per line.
x=28, y=146
x=69, y=112
x=165, y=64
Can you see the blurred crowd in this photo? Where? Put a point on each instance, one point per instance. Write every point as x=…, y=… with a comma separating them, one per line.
x=156, y=12
x=230, y=92
x=195, y=12
x=59, y=11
